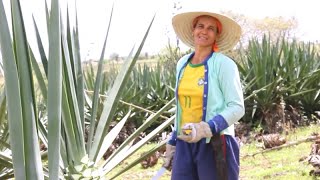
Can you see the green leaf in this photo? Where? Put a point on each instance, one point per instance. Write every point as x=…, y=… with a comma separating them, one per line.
x=41, y=49
x=111, y=103
x=23, y=136
x=125, y=153
x=97, y=87
x=6, y=160
x=111, y=136
x=152, y=118
x=54, y=90
x=137, y=161
x=71, y=115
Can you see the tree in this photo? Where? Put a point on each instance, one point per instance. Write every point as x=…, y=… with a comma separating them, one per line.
x=273, y=26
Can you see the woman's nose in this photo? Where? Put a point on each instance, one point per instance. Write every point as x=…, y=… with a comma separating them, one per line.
x=204, y=31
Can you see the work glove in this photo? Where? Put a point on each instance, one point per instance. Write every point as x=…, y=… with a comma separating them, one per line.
x=193, y=132
x=170, y=150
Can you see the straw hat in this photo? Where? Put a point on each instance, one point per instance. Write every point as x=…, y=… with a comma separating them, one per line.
x=182, y=25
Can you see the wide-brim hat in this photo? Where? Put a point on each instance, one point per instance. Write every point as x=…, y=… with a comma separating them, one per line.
x=183, y=27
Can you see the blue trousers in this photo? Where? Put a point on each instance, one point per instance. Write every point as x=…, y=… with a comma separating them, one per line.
x=195, y=161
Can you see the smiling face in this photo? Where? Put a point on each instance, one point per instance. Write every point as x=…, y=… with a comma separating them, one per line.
x=205, y=31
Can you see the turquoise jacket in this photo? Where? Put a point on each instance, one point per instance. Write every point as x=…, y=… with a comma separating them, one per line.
x=223, y=103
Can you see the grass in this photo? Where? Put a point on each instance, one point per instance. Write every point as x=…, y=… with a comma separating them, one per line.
x=280, y=164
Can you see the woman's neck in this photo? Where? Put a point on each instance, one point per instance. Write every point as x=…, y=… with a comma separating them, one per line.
x=200, y=55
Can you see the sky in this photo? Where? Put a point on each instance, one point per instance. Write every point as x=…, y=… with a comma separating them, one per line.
x=131, y=19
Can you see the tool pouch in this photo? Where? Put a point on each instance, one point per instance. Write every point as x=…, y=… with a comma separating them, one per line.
x=220, y=156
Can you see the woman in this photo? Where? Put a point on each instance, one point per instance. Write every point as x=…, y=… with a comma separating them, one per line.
x=209, y=100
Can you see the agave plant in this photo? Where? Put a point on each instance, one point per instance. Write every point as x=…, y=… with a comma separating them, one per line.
x=279, y=75
x=68, y=111
x=260, y=70
x=148, y=90
x=301, y=69
x=6, y=166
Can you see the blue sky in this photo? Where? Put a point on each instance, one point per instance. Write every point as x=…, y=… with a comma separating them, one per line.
x=131, y=18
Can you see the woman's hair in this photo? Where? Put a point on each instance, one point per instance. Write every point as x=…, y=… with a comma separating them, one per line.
x=218, y=23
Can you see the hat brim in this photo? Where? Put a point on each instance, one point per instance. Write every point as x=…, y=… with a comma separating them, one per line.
x=229, y=37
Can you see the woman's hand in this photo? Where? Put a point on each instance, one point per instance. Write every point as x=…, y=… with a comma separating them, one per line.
x=193, y=132
x=170, y=150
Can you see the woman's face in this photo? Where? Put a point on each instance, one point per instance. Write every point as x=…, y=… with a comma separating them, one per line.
x=205, y=31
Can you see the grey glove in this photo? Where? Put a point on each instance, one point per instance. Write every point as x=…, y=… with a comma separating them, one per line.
x=170, y=150
x=193, y=132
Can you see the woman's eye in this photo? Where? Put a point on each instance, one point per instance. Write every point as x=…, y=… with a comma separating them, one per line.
x=199, y=26
x=214, y=29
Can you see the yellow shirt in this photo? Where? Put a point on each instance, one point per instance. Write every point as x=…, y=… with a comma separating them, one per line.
x=190, y=93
